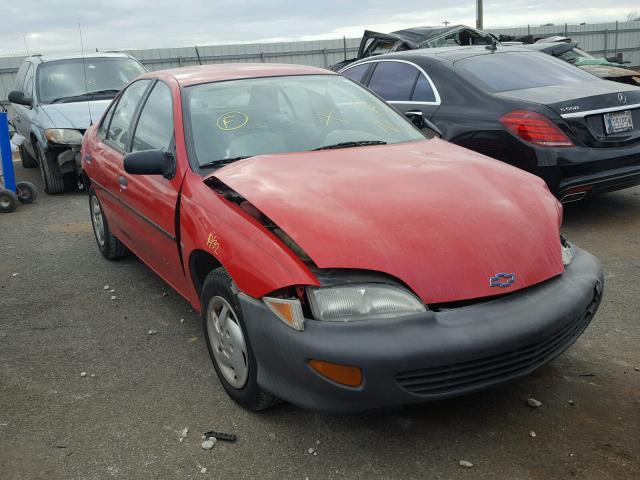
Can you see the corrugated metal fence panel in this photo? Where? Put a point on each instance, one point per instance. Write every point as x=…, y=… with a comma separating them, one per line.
x=598, y=39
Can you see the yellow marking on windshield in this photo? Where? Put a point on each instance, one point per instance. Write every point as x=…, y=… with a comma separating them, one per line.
x=368, y=106
x=386, y=126
x=331, y=118
x=232, y=120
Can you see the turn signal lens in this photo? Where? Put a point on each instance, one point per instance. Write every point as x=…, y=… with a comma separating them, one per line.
x=535, y=128
x=288, y=310
x=343, y=374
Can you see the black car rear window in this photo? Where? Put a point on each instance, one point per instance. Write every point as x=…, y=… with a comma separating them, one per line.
x=504, y=72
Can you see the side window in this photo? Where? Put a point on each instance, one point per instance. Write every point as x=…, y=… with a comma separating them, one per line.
x=155, y=126
x=423, y=91
x=102, y=129
x=27, y=87
x=21, y=74
x=393, y=80
x=357, y=73
x=118, y=134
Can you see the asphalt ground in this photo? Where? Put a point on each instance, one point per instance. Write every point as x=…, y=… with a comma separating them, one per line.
x=124, y=418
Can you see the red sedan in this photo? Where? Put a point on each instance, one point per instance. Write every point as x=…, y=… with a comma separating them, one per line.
x=342, y=259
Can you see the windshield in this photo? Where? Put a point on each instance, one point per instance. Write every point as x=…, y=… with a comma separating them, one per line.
x=243, y=118
x=573, y=54
x=64, y=80
x=504, y=72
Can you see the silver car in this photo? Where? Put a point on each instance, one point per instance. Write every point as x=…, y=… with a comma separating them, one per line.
x=56, y=98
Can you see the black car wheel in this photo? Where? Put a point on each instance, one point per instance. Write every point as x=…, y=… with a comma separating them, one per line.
x=50, y=171
x=110, y=247
x=228, y=343
x=27, y=160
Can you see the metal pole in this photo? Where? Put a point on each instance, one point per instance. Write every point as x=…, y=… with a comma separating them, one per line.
x=198, y=55
x=479, y=21
x=5, y=153
x=616, y=40
x=606, y=40
x=344, y=46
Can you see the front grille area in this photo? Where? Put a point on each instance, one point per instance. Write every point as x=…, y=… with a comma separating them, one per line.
x=475, y=374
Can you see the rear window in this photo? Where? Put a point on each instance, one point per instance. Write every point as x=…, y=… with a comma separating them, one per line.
x=504, y=72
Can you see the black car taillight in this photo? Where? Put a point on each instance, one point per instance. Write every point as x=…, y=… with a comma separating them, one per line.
x=535, y=128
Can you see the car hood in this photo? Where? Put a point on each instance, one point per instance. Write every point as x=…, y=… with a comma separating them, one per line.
x=79, y=115
x=440, y=218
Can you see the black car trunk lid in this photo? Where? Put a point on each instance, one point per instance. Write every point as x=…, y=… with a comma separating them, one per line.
x=584, y=106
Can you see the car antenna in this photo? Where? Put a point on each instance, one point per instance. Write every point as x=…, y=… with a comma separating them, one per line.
x=84, y=70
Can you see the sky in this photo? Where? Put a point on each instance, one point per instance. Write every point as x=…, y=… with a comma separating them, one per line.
x=35, y=26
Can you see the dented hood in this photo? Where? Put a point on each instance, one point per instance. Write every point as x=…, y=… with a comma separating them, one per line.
x=440, y=218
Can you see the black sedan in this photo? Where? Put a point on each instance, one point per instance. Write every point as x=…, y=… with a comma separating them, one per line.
x=579, y=133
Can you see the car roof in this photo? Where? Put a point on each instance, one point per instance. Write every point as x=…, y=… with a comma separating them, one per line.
x=187, y=76
x=449, y=54
x=52, y=57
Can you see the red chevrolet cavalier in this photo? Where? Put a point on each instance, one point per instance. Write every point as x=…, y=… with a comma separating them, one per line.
x=342, y=259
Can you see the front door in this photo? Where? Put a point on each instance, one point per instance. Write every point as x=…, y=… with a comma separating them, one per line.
x=151, y=200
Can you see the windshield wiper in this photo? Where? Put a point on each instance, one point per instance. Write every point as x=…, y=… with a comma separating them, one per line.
x=361, y=143
x=97, y=93
x=222, y=161
x=103, y=92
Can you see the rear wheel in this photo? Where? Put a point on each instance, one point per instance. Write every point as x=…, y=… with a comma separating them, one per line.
x=8, y=201
x=110, y=247
x=27, y=160
x=228, y=343
x=50, y=171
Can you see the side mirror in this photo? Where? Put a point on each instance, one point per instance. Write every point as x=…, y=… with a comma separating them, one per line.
x=150, y=162
x=17, y=96
x=419, y=120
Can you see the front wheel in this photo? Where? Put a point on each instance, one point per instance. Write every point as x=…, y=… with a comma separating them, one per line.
x=50, y=171
x=228, y=343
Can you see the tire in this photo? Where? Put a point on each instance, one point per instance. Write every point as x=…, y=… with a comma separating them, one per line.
x=110, y=247
x=8, y=201
x=217, y=294
x=27, y=160
x=26, y=192
x=50, y=171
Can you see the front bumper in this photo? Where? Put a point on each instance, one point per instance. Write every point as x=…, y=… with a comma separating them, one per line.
x=430, y=356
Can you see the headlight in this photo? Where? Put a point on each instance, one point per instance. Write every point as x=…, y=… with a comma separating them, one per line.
x=346, y=303
x=64, y=136
x=568, y=251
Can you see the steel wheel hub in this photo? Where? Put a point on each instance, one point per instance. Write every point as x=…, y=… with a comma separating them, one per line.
x=227, y=342
x=97, y=220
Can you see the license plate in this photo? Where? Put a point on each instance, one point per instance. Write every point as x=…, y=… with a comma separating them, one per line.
x=617, y=122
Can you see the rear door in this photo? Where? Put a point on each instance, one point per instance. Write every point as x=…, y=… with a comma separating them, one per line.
x=151, y=200
x=105, y=157
x=405, y=86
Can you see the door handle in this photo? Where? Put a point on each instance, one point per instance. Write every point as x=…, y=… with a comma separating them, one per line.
x=122, y=181
x=88, y=158
x=17, y=119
